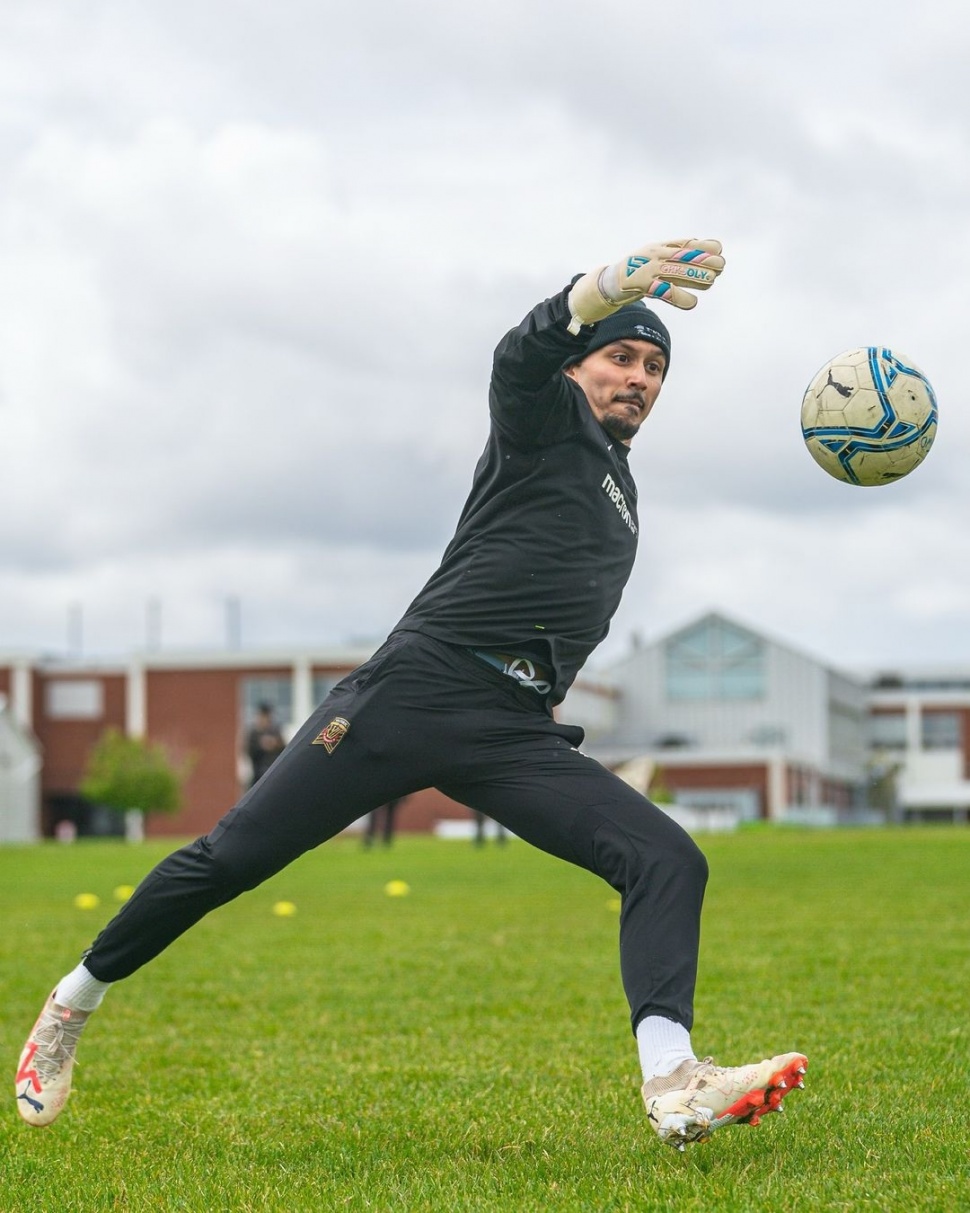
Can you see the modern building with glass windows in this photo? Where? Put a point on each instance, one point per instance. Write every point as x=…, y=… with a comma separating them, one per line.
x=729, y=719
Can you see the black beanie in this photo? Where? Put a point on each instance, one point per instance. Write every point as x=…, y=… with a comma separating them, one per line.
x=635, y=322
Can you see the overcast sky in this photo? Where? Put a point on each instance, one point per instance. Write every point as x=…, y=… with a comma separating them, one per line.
x=255, y=257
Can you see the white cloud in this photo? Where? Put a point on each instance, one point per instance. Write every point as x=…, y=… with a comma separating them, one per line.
x=254, y=259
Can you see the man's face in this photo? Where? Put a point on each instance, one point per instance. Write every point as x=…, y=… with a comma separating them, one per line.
x=622, y=381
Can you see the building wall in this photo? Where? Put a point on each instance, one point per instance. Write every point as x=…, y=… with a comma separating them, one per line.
x=751, y=777
x=932, y=780
x=67, y=740
x=847, y=713
x=194, y=714
x=20, y=764
x=792, y=713
x=807, y=710
x=965, y=740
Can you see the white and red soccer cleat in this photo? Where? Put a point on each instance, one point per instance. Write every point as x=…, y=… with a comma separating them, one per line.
x=43, y=1080
x=699, y=1097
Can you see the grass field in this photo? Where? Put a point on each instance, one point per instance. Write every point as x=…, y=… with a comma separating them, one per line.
x=467, y=1046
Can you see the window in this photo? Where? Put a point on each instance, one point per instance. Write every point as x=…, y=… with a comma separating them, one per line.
x=887, y=731
x=74, y=699
x=275, y=691
x=941, y=731
x=768, y=735
x=715, y=660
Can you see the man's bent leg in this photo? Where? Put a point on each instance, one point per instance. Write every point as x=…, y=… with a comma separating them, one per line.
x=569, y=805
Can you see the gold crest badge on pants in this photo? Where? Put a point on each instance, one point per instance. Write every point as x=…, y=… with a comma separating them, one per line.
x=333, y=734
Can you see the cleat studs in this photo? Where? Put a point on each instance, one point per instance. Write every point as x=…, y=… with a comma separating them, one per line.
x=800, y=1070
x=754, y=1120
x=780, y=1107
x=799, y=1086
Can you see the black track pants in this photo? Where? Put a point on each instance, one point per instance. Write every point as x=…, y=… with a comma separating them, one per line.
x=426, y=714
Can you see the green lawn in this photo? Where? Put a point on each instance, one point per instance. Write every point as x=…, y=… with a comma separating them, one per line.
x=467, y=1046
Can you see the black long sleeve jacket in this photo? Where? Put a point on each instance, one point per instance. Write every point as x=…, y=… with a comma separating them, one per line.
x=547, y=538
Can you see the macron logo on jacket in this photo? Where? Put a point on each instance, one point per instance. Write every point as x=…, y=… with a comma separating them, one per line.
x=615, y=494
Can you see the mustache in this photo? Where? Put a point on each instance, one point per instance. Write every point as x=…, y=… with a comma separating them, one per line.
x=631, y=397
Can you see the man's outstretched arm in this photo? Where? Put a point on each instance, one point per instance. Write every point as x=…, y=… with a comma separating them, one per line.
x=656, y=271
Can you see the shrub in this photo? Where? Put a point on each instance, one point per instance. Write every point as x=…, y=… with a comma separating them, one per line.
x=126, y=773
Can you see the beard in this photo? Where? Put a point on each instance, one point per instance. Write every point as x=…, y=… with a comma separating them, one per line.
x=622, y=429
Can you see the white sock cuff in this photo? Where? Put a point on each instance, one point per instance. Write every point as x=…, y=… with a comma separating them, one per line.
x=662, y=1044
x=80, y=991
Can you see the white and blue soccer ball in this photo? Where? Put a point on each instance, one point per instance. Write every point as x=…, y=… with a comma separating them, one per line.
x=869, y=416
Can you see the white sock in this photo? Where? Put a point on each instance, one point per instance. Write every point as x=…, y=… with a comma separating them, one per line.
x=80, y=991
x=663, y=1045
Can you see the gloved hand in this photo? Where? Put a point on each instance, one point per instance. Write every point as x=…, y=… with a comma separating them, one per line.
x=658, y=270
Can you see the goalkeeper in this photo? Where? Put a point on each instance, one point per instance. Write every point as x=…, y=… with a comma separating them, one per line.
x=461, y=697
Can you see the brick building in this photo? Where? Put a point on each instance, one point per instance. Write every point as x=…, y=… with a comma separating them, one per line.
x=197, y=706
x=731, y=720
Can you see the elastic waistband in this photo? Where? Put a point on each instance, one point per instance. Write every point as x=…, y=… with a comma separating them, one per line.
x=524, y=670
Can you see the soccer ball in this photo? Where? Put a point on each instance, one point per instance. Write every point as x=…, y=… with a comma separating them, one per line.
x=869, y=416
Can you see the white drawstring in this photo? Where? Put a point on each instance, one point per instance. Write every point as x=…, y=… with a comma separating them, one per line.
x=524, y=672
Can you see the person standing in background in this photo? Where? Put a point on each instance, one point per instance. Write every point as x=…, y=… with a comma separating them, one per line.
x=264, y=742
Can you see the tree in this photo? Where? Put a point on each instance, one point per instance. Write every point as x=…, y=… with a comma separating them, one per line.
x=128, y=773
